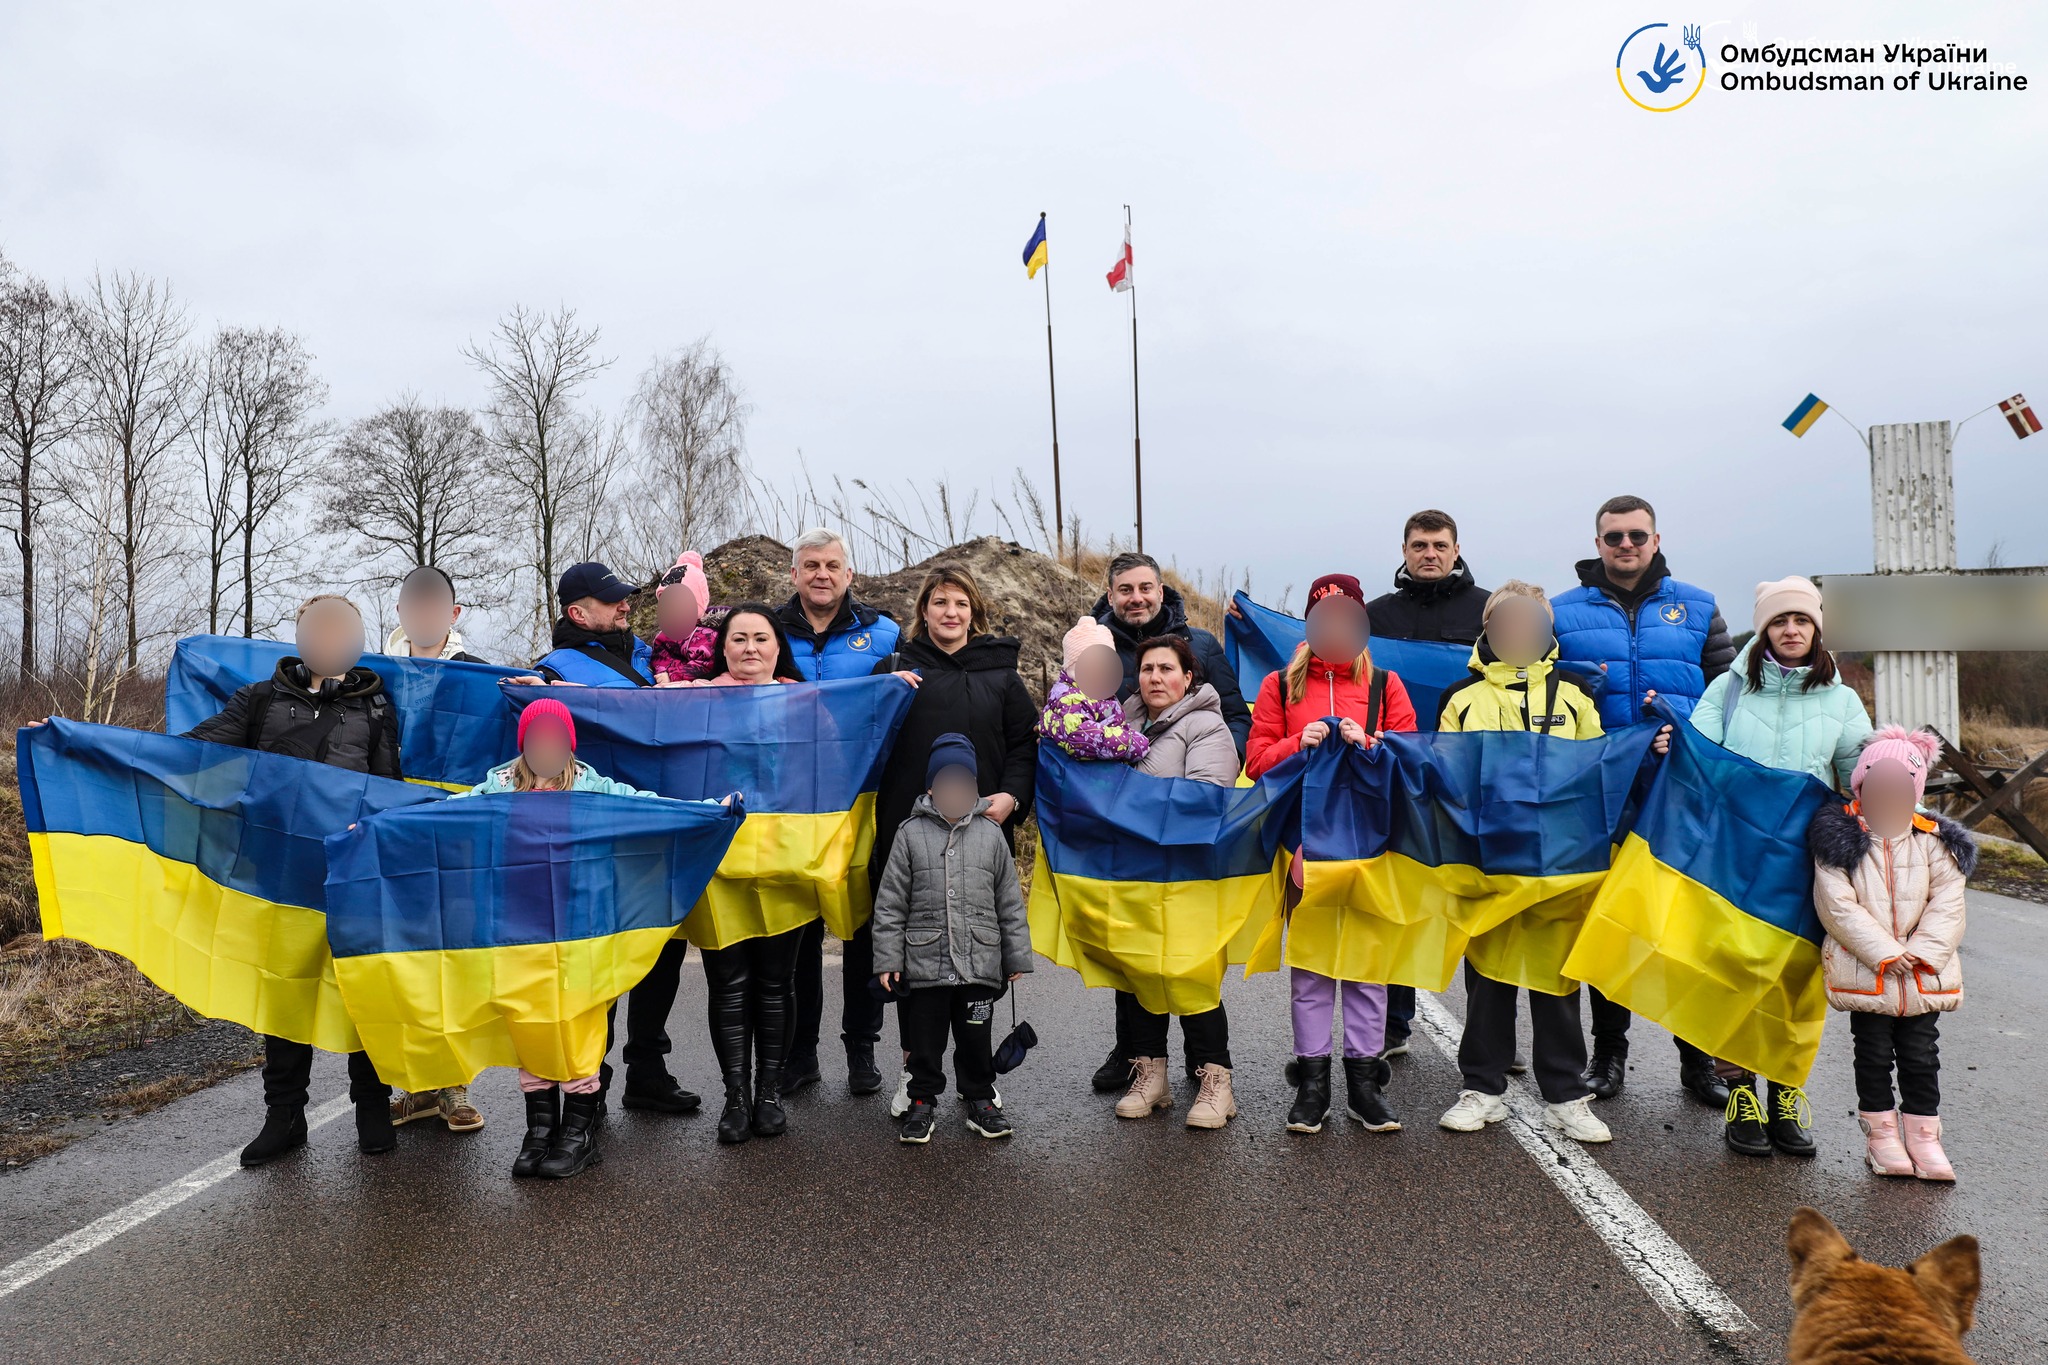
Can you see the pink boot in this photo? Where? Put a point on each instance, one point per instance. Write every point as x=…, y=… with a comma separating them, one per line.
x=1884, y=1153
x=1923, y=1146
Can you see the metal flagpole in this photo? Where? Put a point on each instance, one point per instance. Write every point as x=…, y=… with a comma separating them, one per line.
x=1137, y=445
x=1059, y=529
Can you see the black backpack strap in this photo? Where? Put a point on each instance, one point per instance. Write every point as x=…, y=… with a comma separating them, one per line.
x=260, y=696
x=1549, y=702
x=1375, y=699
x=623, y=667
x=380, y=724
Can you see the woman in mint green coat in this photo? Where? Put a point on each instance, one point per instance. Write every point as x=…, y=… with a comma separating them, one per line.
x=1782, y=704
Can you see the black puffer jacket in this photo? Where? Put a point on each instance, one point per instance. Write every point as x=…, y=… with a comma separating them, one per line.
x=350, y=723
x=975, y=692
x=1215, y=665
x=1450, y=609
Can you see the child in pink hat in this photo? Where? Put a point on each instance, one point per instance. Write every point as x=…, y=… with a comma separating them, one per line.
x=682, y=644
x=1082, y=714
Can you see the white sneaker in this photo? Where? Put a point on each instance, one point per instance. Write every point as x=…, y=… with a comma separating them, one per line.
x=1473, y=1111
x=899, y=1103
x=1576, y=1120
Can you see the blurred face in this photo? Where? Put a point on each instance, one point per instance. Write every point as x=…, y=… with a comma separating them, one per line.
x=1429, y=555
x=1519, y=633
x=1162, y=682
x=330, y=638
x=948, y=616
x=1136, y=595
x=597, y=615
x=1336, y=630
x=426, y=609
x=1638, y=541
x=954, y=792
x=822, y=577
x=1790, y=637
x=675, y=612
x=547, y=749
x=750, y=648
x=1886, y=798
x=1099, y=672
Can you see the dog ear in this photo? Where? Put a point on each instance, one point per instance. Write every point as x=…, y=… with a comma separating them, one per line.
x=1950, y=1276
x=1814, y=1242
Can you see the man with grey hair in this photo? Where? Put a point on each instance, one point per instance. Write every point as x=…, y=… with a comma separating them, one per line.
x=831, y=635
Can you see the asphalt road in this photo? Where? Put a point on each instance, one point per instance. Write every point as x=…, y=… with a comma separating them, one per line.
x=1080, y=1238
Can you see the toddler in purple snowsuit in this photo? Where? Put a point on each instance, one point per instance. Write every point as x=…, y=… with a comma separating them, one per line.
x=1082, y=714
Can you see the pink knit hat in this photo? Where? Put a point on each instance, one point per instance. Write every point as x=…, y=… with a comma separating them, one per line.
x=688, y=574
x=1916, y=749
x=1787, y=594
x=1087, y=631
x=547, y=708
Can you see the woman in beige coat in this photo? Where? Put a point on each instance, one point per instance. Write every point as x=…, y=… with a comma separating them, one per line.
x=1888, y=886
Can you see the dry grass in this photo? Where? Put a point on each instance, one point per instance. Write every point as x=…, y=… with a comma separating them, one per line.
x=1204, y=597
x=62, y=1002
x=1989, y=737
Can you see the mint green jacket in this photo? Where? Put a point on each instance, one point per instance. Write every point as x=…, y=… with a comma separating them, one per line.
x=1815, y=732
x=588, y=779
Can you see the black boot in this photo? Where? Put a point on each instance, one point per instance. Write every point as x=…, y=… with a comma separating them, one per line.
x=1606, y=1074
x=1114, y=1074
x=1701, y=1083
x=284, y=1128
x=734, y=1123
x=574, y=1149
x=773, y=1019
x=1791, y=1121
x=863, y=1077
x=769, y=1118
x=543, y=1117
x=654, y=1090
x=799, y=1072
x=1742, y=1124
x=374, y=1133
x=1363, y=1077
x=1311, y=1095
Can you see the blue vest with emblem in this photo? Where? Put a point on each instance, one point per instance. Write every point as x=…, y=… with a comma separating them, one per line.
x=849, y=653
x=580, y=664
x=1659, y=650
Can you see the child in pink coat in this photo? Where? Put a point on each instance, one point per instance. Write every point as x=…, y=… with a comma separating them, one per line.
x=1888, y=886
x=682, y=643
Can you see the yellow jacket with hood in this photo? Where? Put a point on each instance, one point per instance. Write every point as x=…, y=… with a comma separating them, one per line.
x=1500, y=696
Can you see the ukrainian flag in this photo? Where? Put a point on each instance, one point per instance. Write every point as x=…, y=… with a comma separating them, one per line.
x=497, y=931
x=1426, y=848
x=200, y=863
x=1259, y=640
x=453, y=726
x=807, y=758
x=1154, y=884
x=1706, y=924
x=1034, y=251
x=1805, y=415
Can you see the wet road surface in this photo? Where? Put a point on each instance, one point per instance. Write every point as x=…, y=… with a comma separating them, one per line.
x=1081, y=1237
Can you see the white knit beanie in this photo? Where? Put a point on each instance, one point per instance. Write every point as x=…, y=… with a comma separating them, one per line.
x=1787, y=594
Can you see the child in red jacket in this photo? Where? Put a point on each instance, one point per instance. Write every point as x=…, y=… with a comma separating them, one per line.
x=1290, y=717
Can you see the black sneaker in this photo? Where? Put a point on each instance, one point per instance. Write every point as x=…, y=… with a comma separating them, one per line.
x=1742, y=1126
x=984, y=1118
x=1702, y=1084
x=863, y=1077
x=1791, y=1121
x=917, y=1123
x=659, y=1094
x=1606, y=1074
x=799, y=1072
x=1114, y=1074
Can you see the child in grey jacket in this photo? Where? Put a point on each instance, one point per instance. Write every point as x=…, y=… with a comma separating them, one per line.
x=950, y=933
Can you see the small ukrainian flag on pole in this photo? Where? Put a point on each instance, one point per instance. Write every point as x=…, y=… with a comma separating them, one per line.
x=1805, y=415
x=1034, y=251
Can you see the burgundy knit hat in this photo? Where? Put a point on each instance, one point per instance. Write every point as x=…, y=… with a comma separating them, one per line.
x=1335, y=585
x=547, y=708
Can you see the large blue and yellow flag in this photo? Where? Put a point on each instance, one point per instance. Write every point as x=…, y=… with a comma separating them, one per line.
x=1706, y=923
x=454, y=726
x=200, y=863
x=1154, y=884
x=1259, y=640
x=806, y=757
x=1426, y=848
x=497, y=931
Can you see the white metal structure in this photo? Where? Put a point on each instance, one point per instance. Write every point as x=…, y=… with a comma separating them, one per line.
x=1913, y=529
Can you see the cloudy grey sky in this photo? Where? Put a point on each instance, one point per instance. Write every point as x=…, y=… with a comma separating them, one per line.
x=1389, y=257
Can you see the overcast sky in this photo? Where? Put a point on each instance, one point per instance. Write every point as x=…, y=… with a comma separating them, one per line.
x=1389, y=257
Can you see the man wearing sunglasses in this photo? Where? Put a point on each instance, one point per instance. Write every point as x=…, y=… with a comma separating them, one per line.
x=1652, y=636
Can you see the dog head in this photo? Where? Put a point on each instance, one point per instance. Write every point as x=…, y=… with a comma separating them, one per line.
x=1837, y=1291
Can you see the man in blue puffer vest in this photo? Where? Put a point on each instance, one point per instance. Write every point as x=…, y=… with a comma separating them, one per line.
x=1650, y=635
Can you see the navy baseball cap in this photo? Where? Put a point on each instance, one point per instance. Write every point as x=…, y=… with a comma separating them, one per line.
x=591, y=579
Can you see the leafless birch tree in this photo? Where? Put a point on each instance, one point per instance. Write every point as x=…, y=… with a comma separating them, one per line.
x=690, y=422
x=39, y=392
x=412, y=485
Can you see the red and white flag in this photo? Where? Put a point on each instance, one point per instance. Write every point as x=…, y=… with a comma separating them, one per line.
x=1120, y=273
x=2024, y=423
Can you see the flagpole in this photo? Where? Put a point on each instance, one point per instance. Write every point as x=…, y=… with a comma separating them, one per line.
x=1059, y=529
x=1137, y=444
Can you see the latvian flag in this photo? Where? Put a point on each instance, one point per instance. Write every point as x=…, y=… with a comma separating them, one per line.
x=2024, y=423
x=1120, y=273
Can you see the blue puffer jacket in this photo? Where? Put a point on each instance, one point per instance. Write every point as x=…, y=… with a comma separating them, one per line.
x=1785, y=726
x=581, y=664
x=858, y=637
x=1665, y=636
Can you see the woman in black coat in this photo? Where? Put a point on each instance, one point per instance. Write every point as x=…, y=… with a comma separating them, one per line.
x=969, y=685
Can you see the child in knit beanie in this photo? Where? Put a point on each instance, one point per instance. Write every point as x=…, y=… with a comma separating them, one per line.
x=1082, y=715
x=682, y=643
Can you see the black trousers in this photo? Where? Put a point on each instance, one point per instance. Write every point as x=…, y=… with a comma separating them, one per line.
x=1557, y=1051
x=1909, y=1045
x=647, y=1010
x=1400, y=1012
x=288, y=1070
x=749, y=988
x=1610, y=1033
x=860, y=1014
x=926, y=1015
x=1141, y=1033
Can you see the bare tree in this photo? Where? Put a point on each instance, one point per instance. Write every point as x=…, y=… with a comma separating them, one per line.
x=256, y=434
x=690, y=422
x=39, y=373
x=139, y=405
x=549, y=456
x=414, y=483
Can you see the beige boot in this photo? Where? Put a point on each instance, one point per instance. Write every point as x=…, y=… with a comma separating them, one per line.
x=1214, y=1105
x=1148, y=1091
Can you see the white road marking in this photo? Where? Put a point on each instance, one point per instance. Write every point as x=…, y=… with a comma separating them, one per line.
x=100, y=1231
x=1686, y=1293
